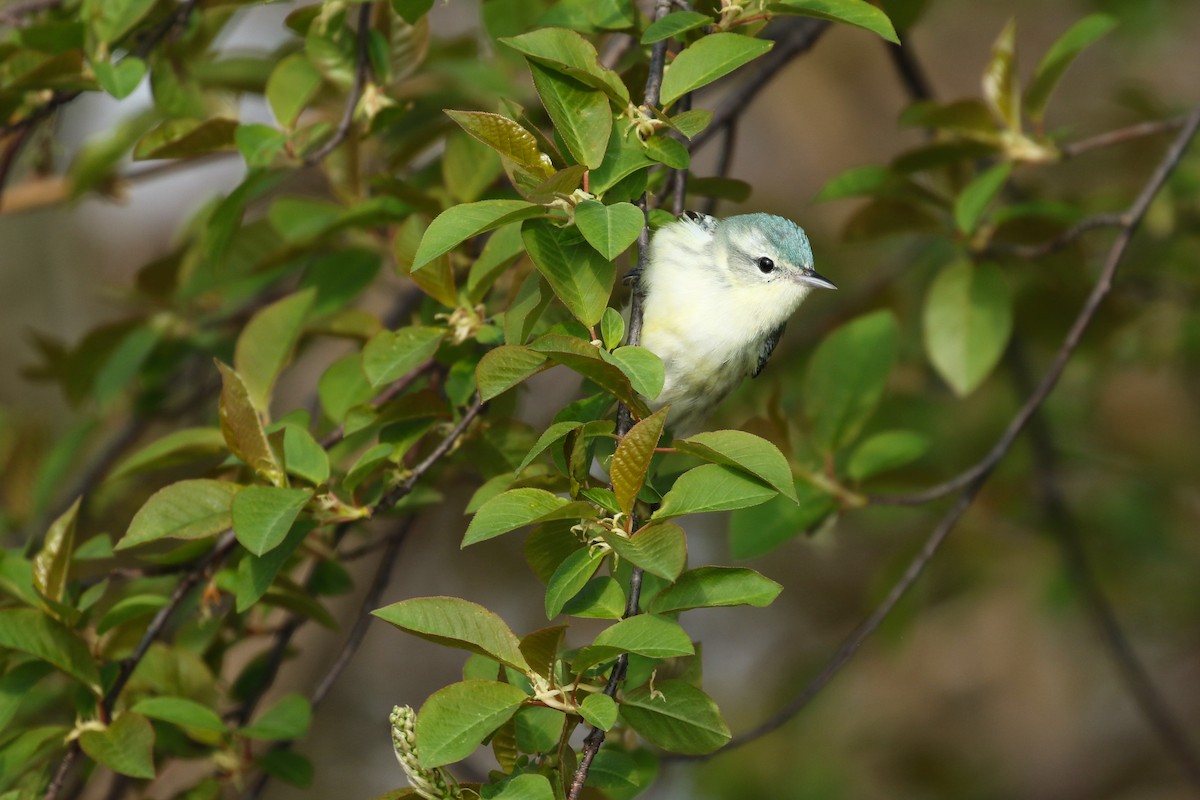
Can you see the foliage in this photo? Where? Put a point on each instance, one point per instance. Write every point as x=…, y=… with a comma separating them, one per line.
x=502, y=213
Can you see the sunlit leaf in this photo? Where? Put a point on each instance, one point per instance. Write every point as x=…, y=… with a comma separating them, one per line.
x=967, y=322
x=708, y=59
x=852, y=12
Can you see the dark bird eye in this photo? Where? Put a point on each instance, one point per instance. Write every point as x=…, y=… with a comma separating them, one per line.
x=766, y=265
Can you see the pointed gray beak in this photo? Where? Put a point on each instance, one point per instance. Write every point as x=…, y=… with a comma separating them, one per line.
x=813, y=279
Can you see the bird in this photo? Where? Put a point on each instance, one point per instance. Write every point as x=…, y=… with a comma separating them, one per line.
x=716, y=295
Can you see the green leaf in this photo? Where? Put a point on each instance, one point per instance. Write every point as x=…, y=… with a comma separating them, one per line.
x=675, y=716
x=580, y=114
x=125, y=746
x=659, y=548
x=580, y=277
x=53, y=561
x=618, y=775
x=570, y=578
x=712, y=587
x=469, y=167
x=287, y=719
x=631, y=461
x=456, y=719
x=256, y=574
x=852, y=12
x=130, y=608
x=967, y=322
x=506, y=137
x=292, y=86
x=692, y=122
x=757, y=531
x=569, y=53
x=601, y=598
x=612, y=328
x=644, y=635
x=713, y=487
x=549, y=437
x=391, y=355
x=746, y=452
x=588, y=360
x=529, y=786
x=623, y=157
x=846, y=378
x=458, y=223
x=1001, y=84
x=454, y=622
x=120, y=79
x=303, y=456
x=109, y=20
x=599, y=710
x=31, y=631
x=673, y=24
x=970, y=205
x=178, y=446
x=259, y=144
x=242, y=426
x=645, y=370
x=265, y=345
x=708, y=59
x=15, y=686
x=886, y=451
x=504, y=367
x=610, y=229
x=666, y=150
x=1059, y=57
x=343, y=386
x=184, y=138
x=288, y=766
x=263, y=515
x=180, y=711
x=412, y=10
x=861, y=181
x=514, y=509
x=192, y=509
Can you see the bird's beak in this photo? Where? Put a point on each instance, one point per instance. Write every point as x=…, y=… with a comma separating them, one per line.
x=811, y=278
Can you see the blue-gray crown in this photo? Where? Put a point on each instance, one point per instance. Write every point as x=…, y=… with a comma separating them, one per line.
x=785, y=234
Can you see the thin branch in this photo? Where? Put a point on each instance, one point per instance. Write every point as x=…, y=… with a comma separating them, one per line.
x=362, y=67
x=8, y=160
x=1133, y=218
x=405, y=487
x=910, y=72
x=799, y=36
x=1154, y=707
x=1120, y=136
x=979, y=474
x=202, y=569
x=1068, y=237
x=679, y=177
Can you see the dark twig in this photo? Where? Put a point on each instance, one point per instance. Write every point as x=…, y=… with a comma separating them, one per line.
x=397, y=387
x=362, y=67
x=798, y=38
x=1132, y=218
x=910, y=72
x=973, y=480
x=1120, y=136
x=1154, y=707
x=12, y=149
x=1067, y=237
x=405, y=487
x=202, y=569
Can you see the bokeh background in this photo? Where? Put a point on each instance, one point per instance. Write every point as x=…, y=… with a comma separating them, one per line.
x=990, y=680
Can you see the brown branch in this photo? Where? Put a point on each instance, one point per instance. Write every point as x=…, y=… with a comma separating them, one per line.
x=1132, y=220
x=362, y=66
x=1154, y=707
x=973, y=480
x=397, y=387
x=1068, y=237
x=910, y=72
x=1120, y=136
x=405, y=487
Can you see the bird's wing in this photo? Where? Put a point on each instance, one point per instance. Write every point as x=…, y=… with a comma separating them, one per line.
x=768, y=347
x=708, y=223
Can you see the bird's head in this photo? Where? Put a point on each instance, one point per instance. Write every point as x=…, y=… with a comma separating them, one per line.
x=763, y=249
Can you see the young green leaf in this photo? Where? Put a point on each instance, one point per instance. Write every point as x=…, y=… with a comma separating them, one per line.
x=180, y=711
x=242, y=426
x=454, y=622
x=1001, y=84
x=179, y=446
x=713, y=487
x=588, y=360
x=610, y=229
x=456, y=719
x=675, y=716
x=187, y=138
x=601, y=598
x=458, y=223
x=623, y=157
x=711, y=587
x=612, y=328
x=646, y=635
x=288, y=718
x=754, y=532
x=551, y=436
x=125, y=746
x=579, y=276
x=390, y=355
x=967, y=322
x=659, y=548
x=190, y=509
x=852, y=12
x=1059, y=57
x=265, y=345
x=846, y=378
x=708, y=59
x=644, y=369
x=303, y=456
x=53, y=561
x=263, y=515
x=122, y=78
x=886, y=451
x=506, y=137
x=631, y=460
x=599, y=710
x=746, y=452
x=504, y=367
x=580, y=114
x=31, y=631
x=673, y=24
x=570, y=578
x=529, y=786
x=569, y=53
x=973, y=202
x=517, y=508
x=668, y=151
x=293, y=84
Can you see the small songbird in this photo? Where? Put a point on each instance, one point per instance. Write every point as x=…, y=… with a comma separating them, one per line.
x=716, y=295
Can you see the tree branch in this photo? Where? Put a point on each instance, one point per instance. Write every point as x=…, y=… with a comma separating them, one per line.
x=1120, y=136
x=972, y=481
x=362, y=66
x=405, y=487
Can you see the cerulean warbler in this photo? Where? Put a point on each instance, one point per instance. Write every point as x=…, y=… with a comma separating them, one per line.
x=716, y=295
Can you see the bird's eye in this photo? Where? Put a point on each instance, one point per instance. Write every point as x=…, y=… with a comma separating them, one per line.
x=766, y=265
